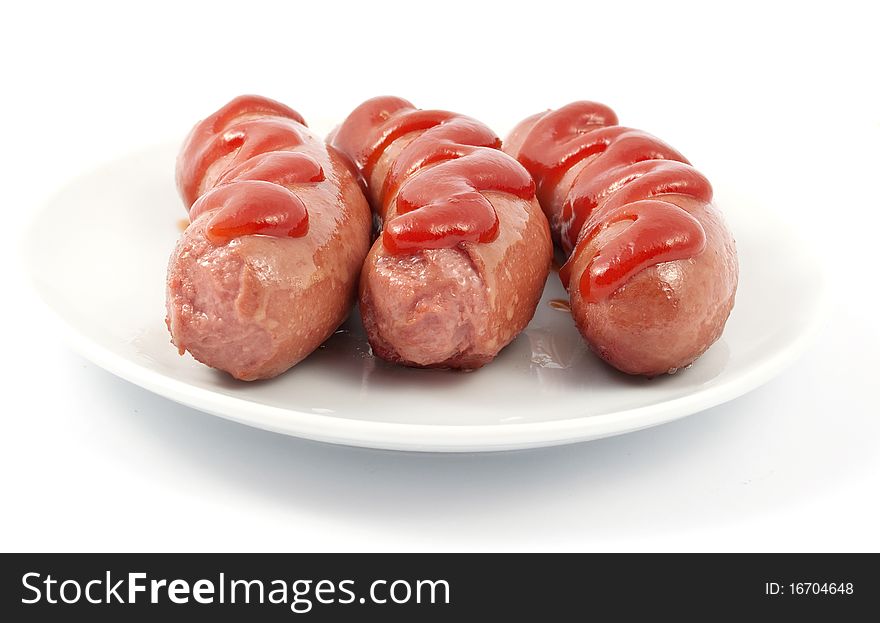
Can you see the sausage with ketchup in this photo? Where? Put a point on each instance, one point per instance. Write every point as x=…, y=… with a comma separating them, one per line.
x=268, y=267
x=651, y=269
x=464, y=249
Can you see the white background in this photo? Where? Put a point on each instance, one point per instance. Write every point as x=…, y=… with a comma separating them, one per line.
x=780, y=100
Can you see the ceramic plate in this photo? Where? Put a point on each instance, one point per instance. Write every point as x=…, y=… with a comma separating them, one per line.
x=98, y=253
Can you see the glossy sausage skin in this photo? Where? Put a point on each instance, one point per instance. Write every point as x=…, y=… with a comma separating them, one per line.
x=651, y=268
x=463, y=250
x=268, y=267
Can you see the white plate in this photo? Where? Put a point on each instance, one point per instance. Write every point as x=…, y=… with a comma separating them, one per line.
x=98, y=253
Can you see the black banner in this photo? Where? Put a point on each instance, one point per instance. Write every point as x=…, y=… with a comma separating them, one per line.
x=435, y=587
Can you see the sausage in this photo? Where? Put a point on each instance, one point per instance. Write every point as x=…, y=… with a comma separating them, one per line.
x=464, y=249
x=651, y=268
x=268, y=267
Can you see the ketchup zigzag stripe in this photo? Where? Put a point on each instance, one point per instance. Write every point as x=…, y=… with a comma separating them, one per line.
x=252, y=194
x=443, y=205
x=624, y=174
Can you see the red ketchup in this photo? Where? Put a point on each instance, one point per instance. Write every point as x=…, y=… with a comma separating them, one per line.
x=251, y=194
x=443, y=205
x=623, y=181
